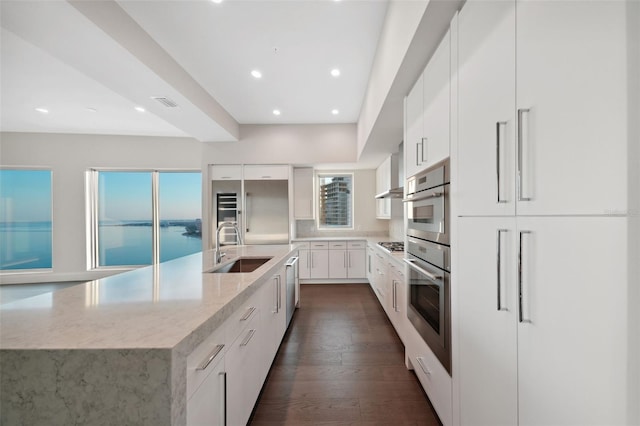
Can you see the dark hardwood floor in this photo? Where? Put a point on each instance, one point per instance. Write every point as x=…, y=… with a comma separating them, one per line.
x=341, y=363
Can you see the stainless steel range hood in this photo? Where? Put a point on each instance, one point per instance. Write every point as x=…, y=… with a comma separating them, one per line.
x=392, y=193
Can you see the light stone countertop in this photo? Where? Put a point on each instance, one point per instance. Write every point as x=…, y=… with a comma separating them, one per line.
x=114, y=351
x=151, y=307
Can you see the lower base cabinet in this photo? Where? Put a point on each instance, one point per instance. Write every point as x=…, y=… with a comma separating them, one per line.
x=544, y=321
x=226, y=372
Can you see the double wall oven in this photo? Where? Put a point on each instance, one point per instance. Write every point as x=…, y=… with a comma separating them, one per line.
x=428, y=257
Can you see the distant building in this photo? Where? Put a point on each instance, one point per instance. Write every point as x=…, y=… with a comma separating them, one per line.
x=335, y=197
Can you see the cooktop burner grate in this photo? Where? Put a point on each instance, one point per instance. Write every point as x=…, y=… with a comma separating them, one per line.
x=392, y=246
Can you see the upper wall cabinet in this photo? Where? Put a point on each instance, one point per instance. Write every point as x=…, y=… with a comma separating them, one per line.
x=266, y=172
x=544, y=100
x=427, y=110
x=226, y=172
x=303, y=194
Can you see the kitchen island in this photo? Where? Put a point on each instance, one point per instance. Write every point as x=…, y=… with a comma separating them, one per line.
x=114, y=350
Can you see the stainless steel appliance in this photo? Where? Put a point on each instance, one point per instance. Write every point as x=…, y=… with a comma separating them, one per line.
x=392, y=246
x=428, y=203
x=429, y=295
x=292, y=287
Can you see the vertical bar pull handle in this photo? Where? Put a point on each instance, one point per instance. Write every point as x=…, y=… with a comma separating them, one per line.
x=499, y=126
x=499, y=268
x=223, y=400
x=417, y=155
x=521, y=317
x=522, y=113
x=424, y=145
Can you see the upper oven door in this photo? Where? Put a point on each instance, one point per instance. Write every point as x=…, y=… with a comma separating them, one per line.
x=427, y=214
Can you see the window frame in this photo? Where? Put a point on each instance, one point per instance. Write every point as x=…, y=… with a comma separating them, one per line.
x=51, y=212
x=92, y=214
x=319, y=175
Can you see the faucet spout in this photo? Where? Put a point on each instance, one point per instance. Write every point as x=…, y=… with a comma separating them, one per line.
x=218, y=253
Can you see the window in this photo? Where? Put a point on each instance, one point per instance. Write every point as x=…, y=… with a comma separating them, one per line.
x=126, y=216
x=25, y=219
x=335, y=193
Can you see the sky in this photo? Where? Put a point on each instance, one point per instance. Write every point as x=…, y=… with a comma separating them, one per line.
x=127, y=195
x=25, y=195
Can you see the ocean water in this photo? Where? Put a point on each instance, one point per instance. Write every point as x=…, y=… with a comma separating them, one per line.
x=28, y=245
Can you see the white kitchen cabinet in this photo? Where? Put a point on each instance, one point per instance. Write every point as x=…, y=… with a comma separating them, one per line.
x=319, y=260
x=273, y=320
x=244, y=371
x=304, y=260
x=551, y=333
x=381, y=284
x=266, y=172
x=397, y=303
x=413, y=130
x=543, y=119
x=383, y=183
x=207, y=405
x=303, y=190
x=486, y=108
x=436, y=105
x=347, y=259
x=225, y=172
x=427, y=113
x=370, y=260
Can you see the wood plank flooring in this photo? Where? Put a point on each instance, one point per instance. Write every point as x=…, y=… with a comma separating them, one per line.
x=341, y=363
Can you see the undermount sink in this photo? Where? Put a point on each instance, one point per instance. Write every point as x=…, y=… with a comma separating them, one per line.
x=242, y=264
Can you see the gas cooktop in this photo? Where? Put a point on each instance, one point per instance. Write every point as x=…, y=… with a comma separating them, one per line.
x=392, y=246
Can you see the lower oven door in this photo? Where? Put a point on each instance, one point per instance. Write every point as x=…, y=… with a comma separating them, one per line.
x=429, y=303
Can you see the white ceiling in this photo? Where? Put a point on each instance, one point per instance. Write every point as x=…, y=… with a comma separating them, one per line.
x=70, y=56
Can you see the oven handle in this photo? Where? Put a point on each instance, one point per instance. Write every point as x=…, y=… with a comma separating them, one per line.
x=426, y=197
x=429, y=275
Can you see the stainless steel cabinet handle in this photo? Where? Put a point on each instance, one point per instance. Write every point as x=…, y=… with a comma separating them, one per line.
x=499, y=267
x=435, y=194
x=349, y=253
x=248, y=313
x=223, y=400
x=521, y=133
x=277, y=295
x=279, y=292
x=395, y=295
x=249, y=336
x=520, y=280
x=424, y=141
x=431, y=276
x=417, y=150
x=214, y=353
x=499, y=125
x=423, y=366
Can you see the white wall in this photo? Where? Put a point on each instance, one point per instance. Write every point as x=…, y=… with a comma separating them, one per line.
x=286, y=144
x=69, y=156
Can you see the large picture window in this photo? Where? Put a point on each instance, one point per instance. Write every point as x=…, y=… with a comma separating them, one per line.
x=25, y=219
x=132, y=227
x=335, y=203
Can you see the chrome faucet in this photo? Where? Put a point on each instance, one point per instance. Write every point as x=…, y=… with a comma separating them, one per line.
x=218, y=253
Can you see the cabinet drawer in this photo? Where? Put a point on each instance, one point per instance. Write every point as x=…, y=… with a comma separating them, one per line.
x=238, y=321
x=261, y=172
x=356, y=244
x=226, y=172
x=315, y=245
x=337, y=245
x=204, y=358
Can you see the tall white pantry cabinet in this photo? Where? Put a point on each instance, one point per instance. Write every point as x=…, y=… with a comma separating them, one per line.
x=547, y=318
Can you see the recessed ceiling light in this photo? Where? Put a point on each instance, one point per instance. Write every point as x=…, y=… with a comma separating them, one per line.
x=217, y=1
x=256, y=74
x=139, y=109
x=91, y=109
x=335, y=112
x=276, y=112
x=42, y=110
x=335, y=72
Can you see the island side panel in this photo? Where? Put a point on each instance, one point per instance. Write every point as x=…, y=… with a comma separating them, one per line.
x=96, y=387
